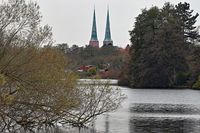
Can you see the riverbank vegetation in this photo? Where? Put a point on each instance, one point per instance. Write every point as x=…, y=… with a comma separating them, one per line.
x=107, y=61
x=165, y=48
x=36, y=90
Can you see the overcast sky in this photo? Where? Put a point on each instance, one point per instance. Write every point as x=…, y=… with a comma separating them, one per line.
x=71, y=20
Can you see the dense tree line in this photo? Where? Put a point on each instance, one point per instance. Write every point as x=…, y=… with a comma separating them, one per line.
x=109, y=56
x=164, y=51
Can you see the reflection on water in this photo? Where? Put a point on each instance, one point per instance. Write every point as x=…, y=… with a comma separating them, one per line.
x=164, y=118
x=107, y=124
x=164, y=108
x=163, y=125
x=154, y=111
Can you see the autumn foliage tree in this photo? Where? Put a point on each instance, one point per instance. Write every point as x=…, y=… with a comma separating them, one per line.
x=36, y=90
x=30, y=75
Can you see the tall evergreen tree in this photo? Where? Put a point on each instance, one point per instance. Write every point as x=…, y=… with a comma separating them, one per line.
x=187, y=20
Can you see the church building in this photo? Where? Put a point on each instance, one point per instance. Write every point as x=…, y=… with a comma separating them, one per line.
x=107, y=39
x=94, y=39
x=94, y=42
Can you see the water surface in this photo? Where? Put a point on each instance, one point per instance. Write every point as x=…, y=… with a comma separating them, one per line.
x=154, y=111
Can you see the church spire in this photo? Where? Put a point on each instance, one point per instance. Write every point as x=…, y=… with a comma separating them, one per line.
x=107, y=39
x=94, y=39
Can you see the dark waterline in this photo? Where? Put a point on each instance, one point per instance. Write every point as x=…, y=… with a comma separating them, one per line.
x=154, y=111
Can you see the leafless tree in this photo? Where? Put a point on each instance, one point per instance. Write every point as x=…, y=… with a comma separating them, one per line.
x=35, y=91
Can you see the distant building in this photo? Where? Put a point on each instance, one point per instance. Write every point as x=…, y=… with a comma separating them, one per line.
x=94, y=39
x=94, y=42
x=107, y=39
x=85, y=68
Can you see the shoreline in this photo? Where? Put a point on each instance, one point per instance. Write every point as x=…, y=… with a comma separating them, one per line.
x=115, y=82
x=98, y=81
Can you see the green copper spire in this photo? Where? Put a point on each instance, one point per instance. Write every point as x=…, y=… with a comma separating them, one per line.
x=94, y=39
x=94, y=29
x=107, y=39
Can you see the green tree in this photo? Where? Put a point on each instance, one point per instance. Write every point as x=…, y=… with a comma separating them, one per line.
x=142, y=38
x=187, y=20
x=158, y=49
x=63, y=47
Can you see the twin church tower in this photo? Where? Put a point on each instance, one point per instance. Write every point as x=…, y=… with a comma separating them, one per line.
x=94, y=39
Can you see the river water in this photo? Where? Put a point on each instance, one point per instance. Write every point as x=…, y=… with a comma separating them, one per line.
x=154, y=111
